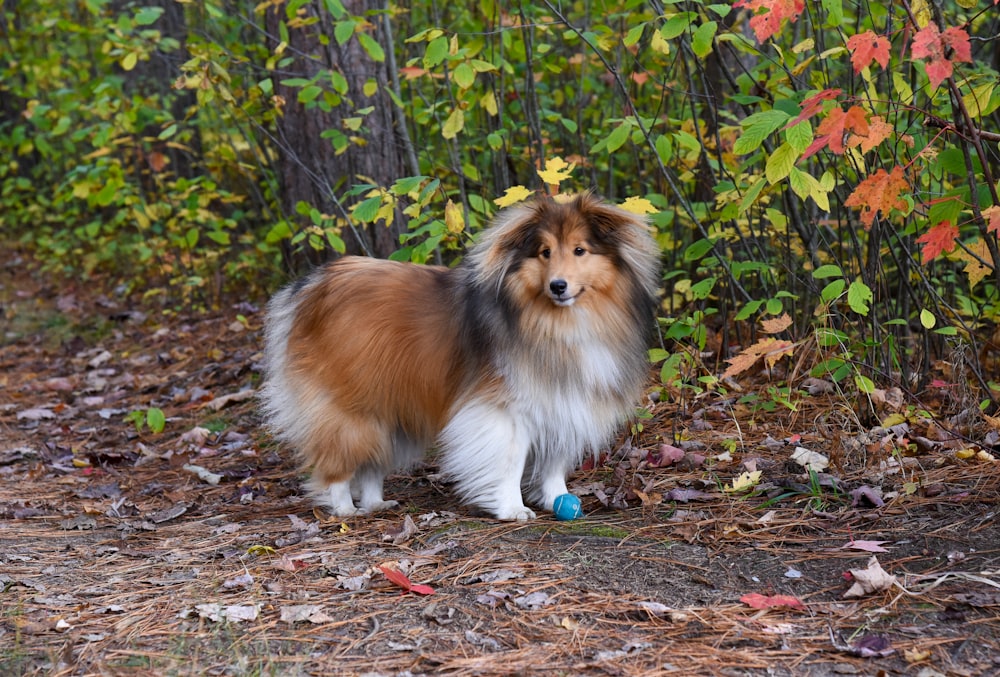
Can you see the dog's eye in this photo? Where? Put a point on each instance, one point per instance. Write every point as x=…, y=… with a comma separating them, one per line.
x=545, y=253
x=579, y=251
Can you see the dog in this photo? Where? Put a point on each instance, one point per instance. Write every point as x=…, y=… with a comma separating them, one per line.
x=516, y=364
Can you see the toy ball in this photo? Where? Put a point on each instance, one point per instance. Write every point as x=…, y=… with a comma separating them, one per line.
x=567, y=507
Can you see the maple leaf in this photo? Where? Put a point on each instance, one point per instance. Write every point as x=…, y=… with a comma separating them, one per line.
x=879, y=192
x=992, y=216
x=833, y=130
x=933, y=45
x=767, y=22
x=759, y=601
x=878, y=131
x=867, y=47
x=513, y=195
x=872, y=578
x=556, y=170
x=813, y=105
x=776, y=325
x=744, y=482
x=400, y=579
x=770, y=349
x=978, y=252
x=940, y=238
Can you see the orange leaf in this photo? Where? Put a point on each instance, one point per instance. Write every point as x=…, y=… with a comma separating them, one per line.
x=759, y=601
x=770, y=349
x=992, y=216
x=776, y=325
x=878, y=131
x=834, y=128
x=879, y=192
x=767, y=22
x=940, y=238
x=867, y=47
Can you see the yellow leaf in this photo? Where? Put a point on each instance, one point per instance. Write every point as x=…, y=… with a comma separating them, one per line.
x=978, y=251
x=569, y=624
x=893, y=419
x=922, y=12
x=129, y=61
x=556, y=170
x=454, y=219
x=659, y=43
x=744, y=482
x=489, y=103
x=916, y=655
x=513, y=195
x=454, y=124
x=639, y=205
x=965, y=453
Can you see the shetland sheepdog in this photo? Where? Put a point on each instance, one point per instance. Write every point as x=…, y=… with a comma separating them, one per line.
x=516, y=364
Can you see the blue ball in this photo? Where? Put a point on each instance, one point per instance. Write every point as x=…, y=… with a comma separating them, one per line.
x=567, y=507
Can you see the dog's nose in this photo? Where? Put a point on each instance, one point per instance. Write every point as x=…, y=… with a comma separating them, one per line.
x=558, y=287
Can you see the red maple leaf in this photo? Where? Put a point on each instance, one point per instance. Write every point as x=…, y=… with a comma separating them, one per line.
x=878, y=131
x=940, y=238
x=879, y=192
x=931, y=44
x=832, y=131
x=814, y=104
x=992, y=216
x=866, y=47
x=767, y=22
x=400, y=579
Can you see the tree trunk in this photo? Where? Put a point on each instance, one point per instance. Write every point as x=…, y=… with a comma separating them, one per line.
x=309, y=169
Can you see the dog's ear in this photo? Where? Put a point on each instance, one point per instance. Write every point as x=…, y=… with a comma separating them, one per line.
x=608, y=223
x=520, y=231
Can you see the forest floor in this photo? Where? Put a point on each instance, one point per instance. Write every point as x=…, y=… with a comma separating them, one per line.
x=193, y=550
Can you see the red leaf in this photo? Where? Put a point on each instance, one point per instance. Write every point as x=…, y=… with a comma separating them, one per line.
x=940, y=238
x=767, y=22
x=867, y=47
x=400, y=579
x=931, y=44
x=834, y=129
x=759, y=601
x=814, y=103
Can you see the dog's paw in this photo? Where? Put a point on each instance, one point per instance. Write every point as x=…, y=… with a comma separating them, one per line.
x=377, y=507
x=518, y=514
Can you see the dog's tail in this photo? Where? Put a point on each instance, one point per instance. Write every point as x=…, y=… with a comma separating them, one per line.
x=277, y=399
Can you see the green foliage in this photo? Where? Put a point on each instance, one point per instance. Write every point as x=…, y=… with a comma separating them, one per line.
x=821, y=165
x=153, y=418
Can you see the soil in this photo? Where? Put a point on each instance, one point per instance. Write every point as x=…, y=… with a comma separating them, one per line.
x=192, y=550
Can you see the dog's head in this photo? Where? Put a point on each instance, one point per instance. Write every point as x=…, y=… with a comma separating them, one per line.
x=567, y=253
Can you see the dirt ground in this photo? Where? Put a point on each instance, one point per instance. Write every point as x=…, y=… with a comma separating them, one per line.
x=193, y=550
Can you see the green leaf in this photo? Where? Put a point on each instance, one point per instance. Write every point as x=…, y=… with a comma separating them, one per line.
x=756, y=128
x=463, y=75
x=156, y=420
x=633, y=35
x=800, y=136
x=701, y=40
x=829, y=270
x=859, y=295
x=371, y=46
x=147, y=15
x=677, y=24
x=343, y=30
x=366, y=210
x=927, y=319
x=833, y=290
x=702, y=289
x=751, y=195
x=749, y=309
x=617, y=138
x=437, y=50
x=697, y=249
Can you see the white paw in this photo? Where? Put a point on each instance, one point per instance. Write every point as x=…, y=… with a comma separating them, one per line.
x=519, y=514
x=377, y=506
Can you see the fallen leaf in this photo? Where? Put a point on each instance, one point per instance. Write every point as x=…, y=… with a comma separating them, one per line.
x=869, y=580
x=759, y=601
x=399, y=578
x=868, y=494
x=299, y=613
x=867, y=546
x=872, y=646
x=809, y=459
x=666, y=455
x=533, y=600
x=402, y=533
x=744, y=482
